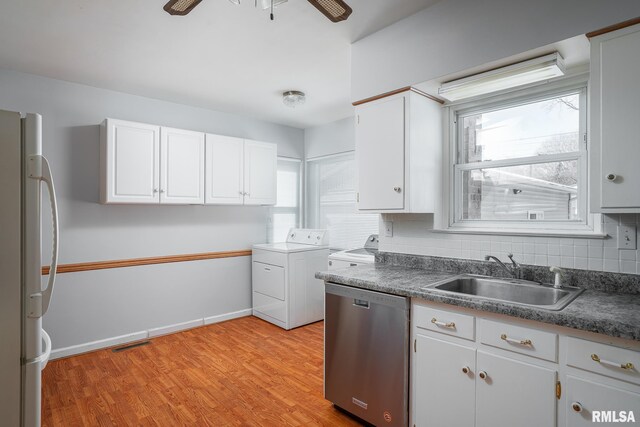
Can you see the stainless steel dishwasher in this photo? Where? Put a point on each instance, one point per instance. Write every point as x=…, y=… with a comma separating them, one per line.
x=366, y=349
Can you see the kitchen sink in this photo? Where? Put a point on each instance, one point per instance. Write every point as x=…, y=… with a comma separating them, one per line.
x=515, y=291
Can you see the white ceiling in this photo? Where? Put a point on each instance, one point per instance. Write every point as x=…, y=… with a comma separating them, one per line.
x=220, y=56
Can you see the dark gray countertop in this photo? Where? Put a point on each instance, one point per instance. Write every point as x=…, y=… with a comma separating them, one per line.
x=613, y=314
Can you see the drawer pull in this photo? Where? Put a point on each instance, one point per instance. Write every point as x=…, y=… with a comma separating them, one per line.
x=576, y=406
x=465, y=369
x=627, y=366
x=515, y=341
x=450, y=325
x=483, y=375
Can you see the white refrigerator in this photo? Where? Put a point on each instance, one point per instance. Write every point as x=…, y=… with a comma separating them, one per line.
x=24, y=292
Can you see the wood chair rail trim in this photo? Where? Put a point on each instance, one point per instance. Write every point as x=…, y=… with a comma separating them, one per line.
x=614, y=27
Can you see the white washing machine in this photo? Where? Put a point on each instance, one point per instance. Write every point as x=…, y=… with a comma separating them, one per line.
x=355, y=257
x=285, y=290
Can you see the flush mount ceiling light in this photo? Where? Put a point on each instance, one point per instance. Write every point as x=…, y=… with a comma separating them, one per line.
x=293, y=98
x=526, y=72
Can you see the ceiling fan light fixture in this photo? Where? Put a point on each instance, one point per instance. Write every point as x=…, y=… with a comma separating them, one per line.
x=293, y=98
x=335, y=10
x=266, y=4
x=237, y=2
x=180, y=7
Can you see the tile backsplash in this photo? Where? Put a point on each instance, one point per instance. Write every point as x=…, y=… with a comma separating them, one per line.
x=413, y=234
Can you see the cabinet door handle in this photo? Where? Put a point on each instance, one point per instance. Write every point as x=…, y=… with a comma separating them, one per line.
x=241, y=193
x=353, y=265
x=515, y=341
x=611, y=177
x=155, y=190
x=161, y=191
x=626, y=366
x=247, y=194
x=483, y=375
x=436, y=322
x=576, y=406
x=397, y=189
x=465, y=370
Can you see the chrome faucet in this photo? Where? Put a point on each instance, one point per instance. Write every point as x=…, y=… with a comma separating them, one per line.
x=515, y=270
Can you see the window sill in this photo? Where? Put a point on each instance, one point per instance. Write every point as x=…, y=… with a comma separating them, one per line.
x=577, y=234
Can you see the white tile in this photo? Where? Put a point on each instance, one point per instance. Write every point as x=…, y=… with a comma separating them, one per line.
x=553, y=260
x=628, y=255
x=541, y=260
x=541, y=249
x=612, y=265
x=611, y=219
x=486, y=245
x=580, y=242
x=566, y=251
x=595, y=264
x=529, y=259
x=582, y=263
x=596, y=243
x=566, y=262
x=496, y=247
x=529, y=248
x=628, y=267
x=611, y=253
x=595, y=252
x=554, y=249
x=581, y=251
x=506, y=247
x=517, y=247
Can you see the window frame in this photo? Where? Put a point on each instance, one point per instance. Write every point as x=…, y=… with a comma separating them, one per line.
x=299, y=210
x=451, y=220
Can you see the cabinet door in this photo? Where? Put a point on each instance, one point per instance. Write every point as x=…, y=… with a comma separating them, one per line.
x=514, y=393
x=616, y=108
x=380, y=148
x=224, y=170
x=260, y=168
x=444, y=394
x=584, y=397
x=182, y=167
x=130, y=162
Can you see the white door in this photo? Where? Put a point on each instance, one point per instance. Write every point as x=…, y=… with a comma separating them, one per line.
x=224, y=170
x=584, y=397
x=182, y=167
x=619, y=110
x=444, y=392
x=514, y=393
x=260, y=169
x=131, y=173
x=380, y=145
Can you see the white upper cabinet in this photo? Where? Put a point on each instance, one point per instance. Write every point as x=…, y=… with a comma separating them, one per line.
x=225, y=170
x=181, y=167
x=130, y=166
x=399, y=153
x=614, y=113
x=260, y=171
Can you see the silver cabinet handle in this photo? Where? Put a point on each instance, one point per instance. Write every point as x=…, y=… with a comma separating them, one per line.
x=611, y=177
x=576, y=406
x=504, y=337
x=436, y=322
x=397, y=189
x=483, y=375
x=465, y=369
x=626, y=366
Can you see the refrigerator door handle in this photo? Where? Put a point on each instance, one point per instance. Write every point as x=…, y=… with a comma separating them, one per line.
x=39, y=169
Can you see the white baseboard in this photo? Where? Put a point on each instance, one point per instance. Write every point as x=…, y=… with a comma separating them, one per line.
x=142, y=335
x=228, y=316
x=96, y=345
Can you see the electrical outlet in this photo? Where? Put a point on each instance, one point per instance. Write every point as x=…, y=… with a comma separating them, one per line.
x=627, y=237
x=388, y=228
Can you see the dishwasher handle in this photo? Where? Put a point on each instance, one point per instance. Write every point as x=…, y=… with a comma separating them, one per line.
x=360, y=303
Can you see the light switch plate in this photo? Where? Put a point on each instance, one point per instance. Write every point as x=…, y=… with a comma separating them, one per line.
x=627, y=237
x=388, y=228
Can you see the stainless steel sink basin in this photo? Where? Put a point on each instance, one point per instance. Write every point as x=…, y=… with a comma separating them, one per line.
x=520, y=292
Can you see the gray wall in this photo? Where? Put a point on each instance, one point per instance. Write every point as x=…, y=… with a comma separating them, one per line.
x=331, y=138
x=455, y=35
x=101, y=304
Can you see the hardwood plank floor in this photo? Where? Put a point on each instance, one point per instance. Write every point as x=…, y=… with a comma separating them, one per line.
x=244, y=372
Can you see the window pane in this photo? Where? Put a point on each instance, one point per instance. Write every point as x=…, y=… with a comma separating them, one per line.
x=285, y=214
x=331, y=197
x=544, y=127
x=545, y=191
x=282, y=223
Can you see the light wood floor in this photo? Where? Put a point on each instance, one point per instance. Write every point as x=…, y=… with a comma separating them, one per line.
x=245, y=372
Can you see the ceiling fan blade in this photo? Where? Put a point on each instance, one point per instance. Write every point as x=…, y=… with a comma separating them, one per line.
x=335, y=10
x=180, y=7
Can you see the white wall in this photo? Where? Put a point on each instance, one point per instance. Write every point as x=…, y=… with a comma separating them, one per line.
x=101, y=304
x=331, y=138
x=455, y=35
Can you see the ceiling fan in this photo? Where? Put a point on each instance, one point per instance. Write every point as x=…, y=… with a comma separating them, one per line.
x=335, y=10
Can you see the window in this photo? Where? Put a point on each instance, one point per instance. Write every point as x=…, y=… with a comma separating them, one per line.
x=331, y=201
x=286, y=213
x=521, y=163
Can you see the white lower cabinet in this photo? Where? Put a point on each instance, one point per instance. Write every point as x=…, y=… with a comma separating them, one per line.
x=444, y=376
x=514, y=393
x=584, y=397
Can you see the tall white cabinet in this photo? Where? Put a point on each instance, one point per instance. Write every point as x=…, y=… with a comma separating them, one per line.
x=240, y=171
x=142, y=163
x=614, y=113
x=399, y=153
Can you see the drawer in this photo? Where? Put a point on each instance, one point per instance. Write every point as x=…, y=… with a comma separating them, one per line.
x=268, y=280
x=269, y=257
x=273, y=308
x=532, y=342
x=604, y=359
x=446, y=322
